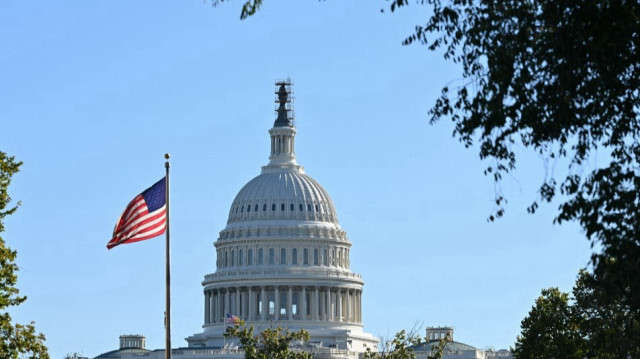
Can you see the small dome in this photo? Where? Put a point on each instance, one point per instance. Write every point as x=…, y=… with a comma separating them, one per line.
x=283, y=195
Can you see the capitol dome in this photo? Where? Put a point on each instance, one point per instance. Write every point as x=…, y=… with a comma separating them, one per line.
x=279, y=195
x=283, y=259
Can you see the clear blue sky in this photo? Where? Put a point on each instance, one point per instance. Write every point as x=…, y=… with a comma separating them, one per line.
x=93, y=93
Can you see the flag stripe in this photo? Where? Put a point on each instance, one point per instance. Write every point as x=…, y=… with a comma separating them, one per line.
x=136, y=223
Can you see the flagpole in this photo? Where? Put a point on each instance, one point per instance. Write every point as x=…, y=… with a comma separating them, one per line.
x=167, y=324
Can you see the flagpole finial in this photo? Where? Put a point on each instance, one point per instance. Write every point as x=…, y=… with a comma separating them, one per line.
x=166, y=155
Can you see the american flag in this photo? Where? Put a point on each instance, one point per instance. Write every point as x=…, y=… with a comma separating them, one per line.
x=232, y=319
x=145, y=217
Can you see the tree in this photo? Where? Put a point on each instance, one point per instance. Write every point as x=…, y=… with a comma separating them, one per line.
x=587, y=324
x=402, y=347
x=550, y=330
x=271, y=343
x=15, y=339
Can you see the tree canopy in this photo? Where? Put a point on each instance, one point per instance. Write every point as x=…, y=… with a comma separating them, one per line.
x=16, y=340
x=586, y=324
x=271, y=343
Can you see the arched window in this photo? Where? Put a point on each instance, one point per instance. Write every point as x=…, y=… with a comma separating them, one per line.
x=240, y=258
x=242, y=209
x=248, y=208
x=305, y=257
x=316, y=260
x=301, y=207
x=291, y=207
x=325, y=258
x=272, y=256
x=282, y=207
x=250, y=257
x=309, y=207
x=226, y=259
x=260, y=257
x=283, y=256
x=294, y=256
x=255, y=208
x=264, y=207
x=233, y=256
x=273, y=206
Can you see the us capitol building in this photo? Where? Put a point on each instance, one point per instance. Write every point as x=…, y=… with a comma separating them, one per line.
x=282, y=260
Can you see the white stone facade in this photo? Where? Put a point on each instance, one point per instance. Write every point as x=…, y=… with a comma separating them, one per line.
x=283, y=259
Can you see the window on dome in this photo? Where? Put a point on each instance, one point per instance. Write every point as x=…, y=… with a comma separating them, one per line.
x=272, y=256
x=283, y=256
x=315, y=257
x=316, y=208
x=233, y=256
x=305, y=257
x=260, y=257
x=248, y=208
x=273, y=206
x=309, y=207
x=255, y=208
x=325, y=258
x=226, y=259
x=264, y=207
x=237, y=208
x=250, y=257
x=291, y=207
x=301, y=207
x=294, y=256
x=242, y=209
x=282, y=207
x=240, y=258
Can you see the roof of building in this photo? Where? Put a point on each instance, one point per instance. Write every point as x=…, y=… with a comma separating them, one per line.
x=118, y=353
x=451, y=346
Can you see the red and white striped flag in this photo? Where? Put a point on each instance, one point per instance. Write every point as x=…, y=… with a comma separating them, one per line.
x=145, y=217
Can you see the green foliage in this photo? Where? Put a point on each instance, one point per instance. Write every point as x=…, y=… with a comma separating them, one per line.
x=588, y=324
x=401, y=347
x=550, y=330
x=249, y=8
x=16, y=340
x=272, y=343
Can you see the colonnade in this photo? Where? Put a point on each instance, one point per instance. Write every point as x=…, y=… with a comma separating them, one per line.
x=283, y=302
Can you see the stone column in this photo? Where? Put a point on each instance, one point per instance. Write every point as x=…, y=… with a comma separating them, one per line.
x=316, y=304
x=326, y=308
x=227, y=304
x=265, y=308
x=276, y=303
x=207, y=306
x=347, y=305
x=218, y=304
x=304, y=303
x=251, y=315
x=290, y=304
x=339, y=304
x=214, y=306
x=359, y=306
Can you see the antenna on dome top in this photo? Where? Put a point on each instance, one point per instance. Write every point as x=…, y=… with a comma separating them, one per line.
x=284, y=99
